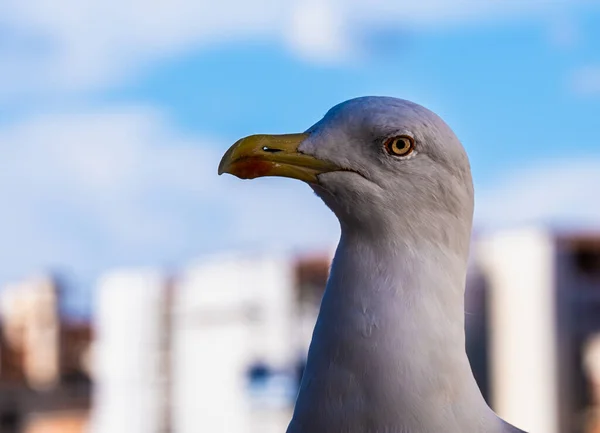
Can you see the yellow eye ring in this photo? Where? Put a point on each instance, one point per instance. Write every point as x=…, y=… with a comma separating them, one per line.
x=402, y=145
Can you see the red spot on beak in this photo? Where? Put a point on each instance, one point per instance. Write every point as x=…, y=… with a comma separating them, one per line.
x=251, y=168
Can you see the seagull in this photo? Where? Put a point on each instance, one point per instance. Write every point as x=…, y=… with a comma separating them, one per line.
x=387, y=353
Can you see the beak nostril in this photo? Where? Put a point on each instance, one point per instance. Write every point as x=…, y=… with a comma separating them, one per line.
x=270, y=149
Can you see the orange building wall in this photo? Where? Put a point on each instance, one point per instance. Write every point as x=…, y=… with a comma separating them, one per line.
x=58, y=423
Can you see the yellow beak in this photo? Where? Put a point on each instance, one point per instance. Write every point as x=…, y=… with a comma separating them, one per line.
x=273, y=155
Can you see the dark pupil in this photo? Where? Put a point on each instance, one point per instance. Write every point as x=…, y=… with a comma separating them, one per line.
x=401, y=144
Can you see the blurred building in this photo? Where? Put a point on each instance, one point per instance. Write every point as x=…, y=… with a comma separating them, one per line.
x=31, y=328
x=544, y=318
x=221, y=345
x=216, y=348
x=128, y=353
x=57, y=422
x=43, y=375
x=233, y=325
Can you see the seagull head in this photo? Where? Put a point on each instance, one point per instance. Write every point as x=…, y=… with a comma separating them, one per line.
x=383, y=165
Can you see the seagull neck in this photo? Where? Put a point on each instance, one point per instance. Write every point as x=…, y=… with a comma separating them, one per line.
x=391, y=326
x=420, y=280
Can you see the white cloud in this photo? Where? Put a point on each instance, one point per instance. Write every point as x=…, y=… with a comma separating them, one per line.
x=318, y=31
x=585, y=81
x=115, y=187
x=559, y=193
x=74, y=45
x=81, y=44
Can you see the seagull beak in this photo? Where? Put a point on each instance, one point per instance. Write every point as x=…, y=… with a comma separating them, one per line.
x=273, y=155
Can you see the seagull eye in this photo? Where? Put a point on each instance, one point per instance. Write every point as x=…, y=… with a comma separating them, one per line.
x=400, y=146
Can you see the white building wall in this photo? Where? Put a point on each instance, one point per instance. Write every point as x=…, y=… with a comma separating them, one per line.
x=229, y=310
x=520, y=267
x=210, y=350
x=224, y=313
x=128, y=321
x=272, y=295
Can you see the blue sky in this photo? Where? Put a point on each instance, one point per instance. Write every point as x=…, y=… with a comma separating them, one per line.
x=113, y=118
